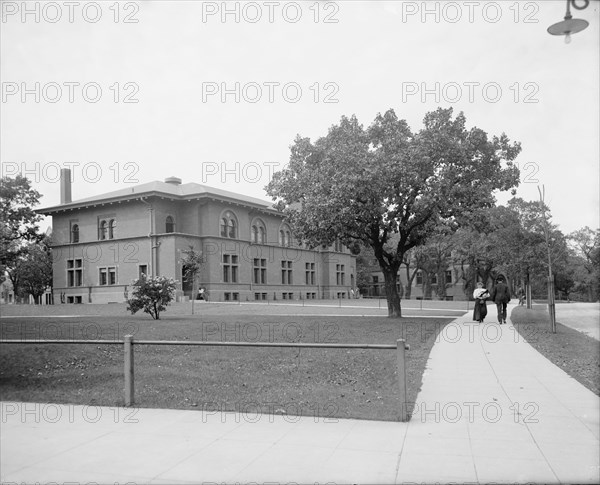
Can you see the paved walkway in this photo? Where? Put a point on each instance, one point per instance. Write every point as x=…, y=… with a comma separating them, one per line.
x=491, y=409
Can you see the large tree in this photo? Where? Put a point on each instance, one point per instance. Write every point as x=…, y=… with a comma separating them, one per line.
x=585, y=247
x=389, y=187
x=18, y=220
x=33, y=273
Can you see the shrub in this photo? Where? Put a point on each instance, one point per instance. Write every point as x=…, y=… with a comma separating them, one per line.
x=151, y=294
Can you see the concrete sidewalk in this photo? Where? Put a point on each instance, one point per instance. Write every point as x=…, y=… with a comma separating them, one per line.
x=491, y=408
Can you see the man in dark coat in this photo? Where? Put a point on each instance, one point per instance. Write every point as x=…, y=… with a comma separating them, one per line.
x=501, y=297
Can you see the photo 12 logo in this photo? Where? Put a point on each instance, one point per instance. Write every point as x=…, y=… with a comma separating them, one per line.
x=270, y=12
x=469, y=91
x=70, y=12
x=269, y=92
x=69, y=92
x=89, y=172
x=471, y=12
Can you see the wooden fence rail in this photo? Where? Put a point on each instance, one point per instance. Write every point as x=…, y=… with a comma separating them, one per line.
x=128, y=343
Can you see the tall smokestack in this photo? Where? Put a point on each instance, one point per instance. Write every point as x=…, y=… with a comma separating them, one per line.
x=65, y=185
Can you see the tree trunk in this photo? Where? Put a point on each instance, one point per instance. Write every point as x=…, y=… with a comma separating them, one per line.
x=441, y=286
x=390, y=276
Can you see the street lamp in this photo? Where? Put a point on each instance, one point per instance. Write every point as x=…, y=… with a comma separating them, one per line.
x=570, y=25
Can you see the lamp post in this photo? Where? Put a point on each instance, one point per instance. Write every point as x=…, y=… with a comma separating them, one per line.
x=570, y=25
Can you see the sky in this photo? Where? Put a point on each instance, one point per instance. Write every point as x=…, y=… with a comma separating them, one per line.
x=216, y=92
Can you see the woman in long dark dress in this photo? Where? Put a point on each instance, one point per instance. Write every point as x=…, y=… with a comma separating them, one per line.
x=480, y=311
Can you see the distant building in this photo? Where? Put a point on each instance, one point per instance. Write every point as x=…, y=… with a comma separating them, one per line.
x=418, y=290
x=102, y=243
x=423, y=286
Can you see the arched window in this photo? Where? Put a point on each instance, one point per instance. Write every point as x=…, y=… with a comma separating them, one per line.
x=258, y=232
x=285, y=236
x=102, y=231
x=75, y=233
x=228, y=225
x=112, y=225
x=170, y=224
x=224, y=227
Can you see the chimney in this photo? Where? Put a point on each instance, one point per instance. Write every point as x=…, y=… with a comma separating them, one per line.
x=173, y=180
x=65, y=185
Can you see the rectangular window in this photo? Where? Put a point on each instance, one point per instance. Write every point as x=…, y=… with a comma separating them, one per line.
x=434, y=279
x=449, y=276
x=103, y=278
x=75, y=272
x=309, y=273
x=112, y=276
x=107, y=276
x=230, y=268
x=227, y=296
x=259, y=271
x=142, y=269
x=419, y=278
x=286, y=273
x=234, y=269
x=340, y=274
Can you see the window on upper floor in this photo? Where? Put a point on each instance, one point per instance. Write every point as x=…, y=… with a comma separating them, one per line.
x=102, y=230
x=170, y=224
x=285, y=236
x=75, y=233
x=229, y=225
x=448, y=276
x=106, y=228
x=258, y=232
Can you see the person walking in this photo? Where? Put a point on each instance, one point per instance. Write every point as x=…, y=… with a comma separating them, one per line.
x=501, y=296
x=521, y=295
x=480, y=294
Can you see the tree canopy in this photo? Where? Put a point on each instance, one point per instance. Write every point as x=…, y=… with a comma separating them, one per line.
x=388, y=187
x=21, y=258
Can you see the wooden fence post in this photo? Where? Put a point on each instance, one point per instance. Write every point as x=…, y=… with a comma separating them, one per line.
x=129, y=382
x=401, y=356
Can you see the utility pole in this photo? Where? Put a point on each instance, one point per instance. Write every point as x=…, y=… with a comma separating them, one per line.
x=551, y=304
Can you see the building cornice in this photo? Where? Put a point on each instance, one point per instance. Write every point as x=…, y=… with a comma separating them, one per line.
x=202, y=198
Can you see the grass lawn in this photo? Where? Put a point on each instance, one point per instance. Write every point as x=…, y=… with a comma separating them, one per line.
x=574, y=352
x=342, y=383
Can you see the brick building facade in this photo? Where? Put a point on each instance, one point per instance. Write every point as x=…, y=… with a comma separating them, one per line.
x=102, y=243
